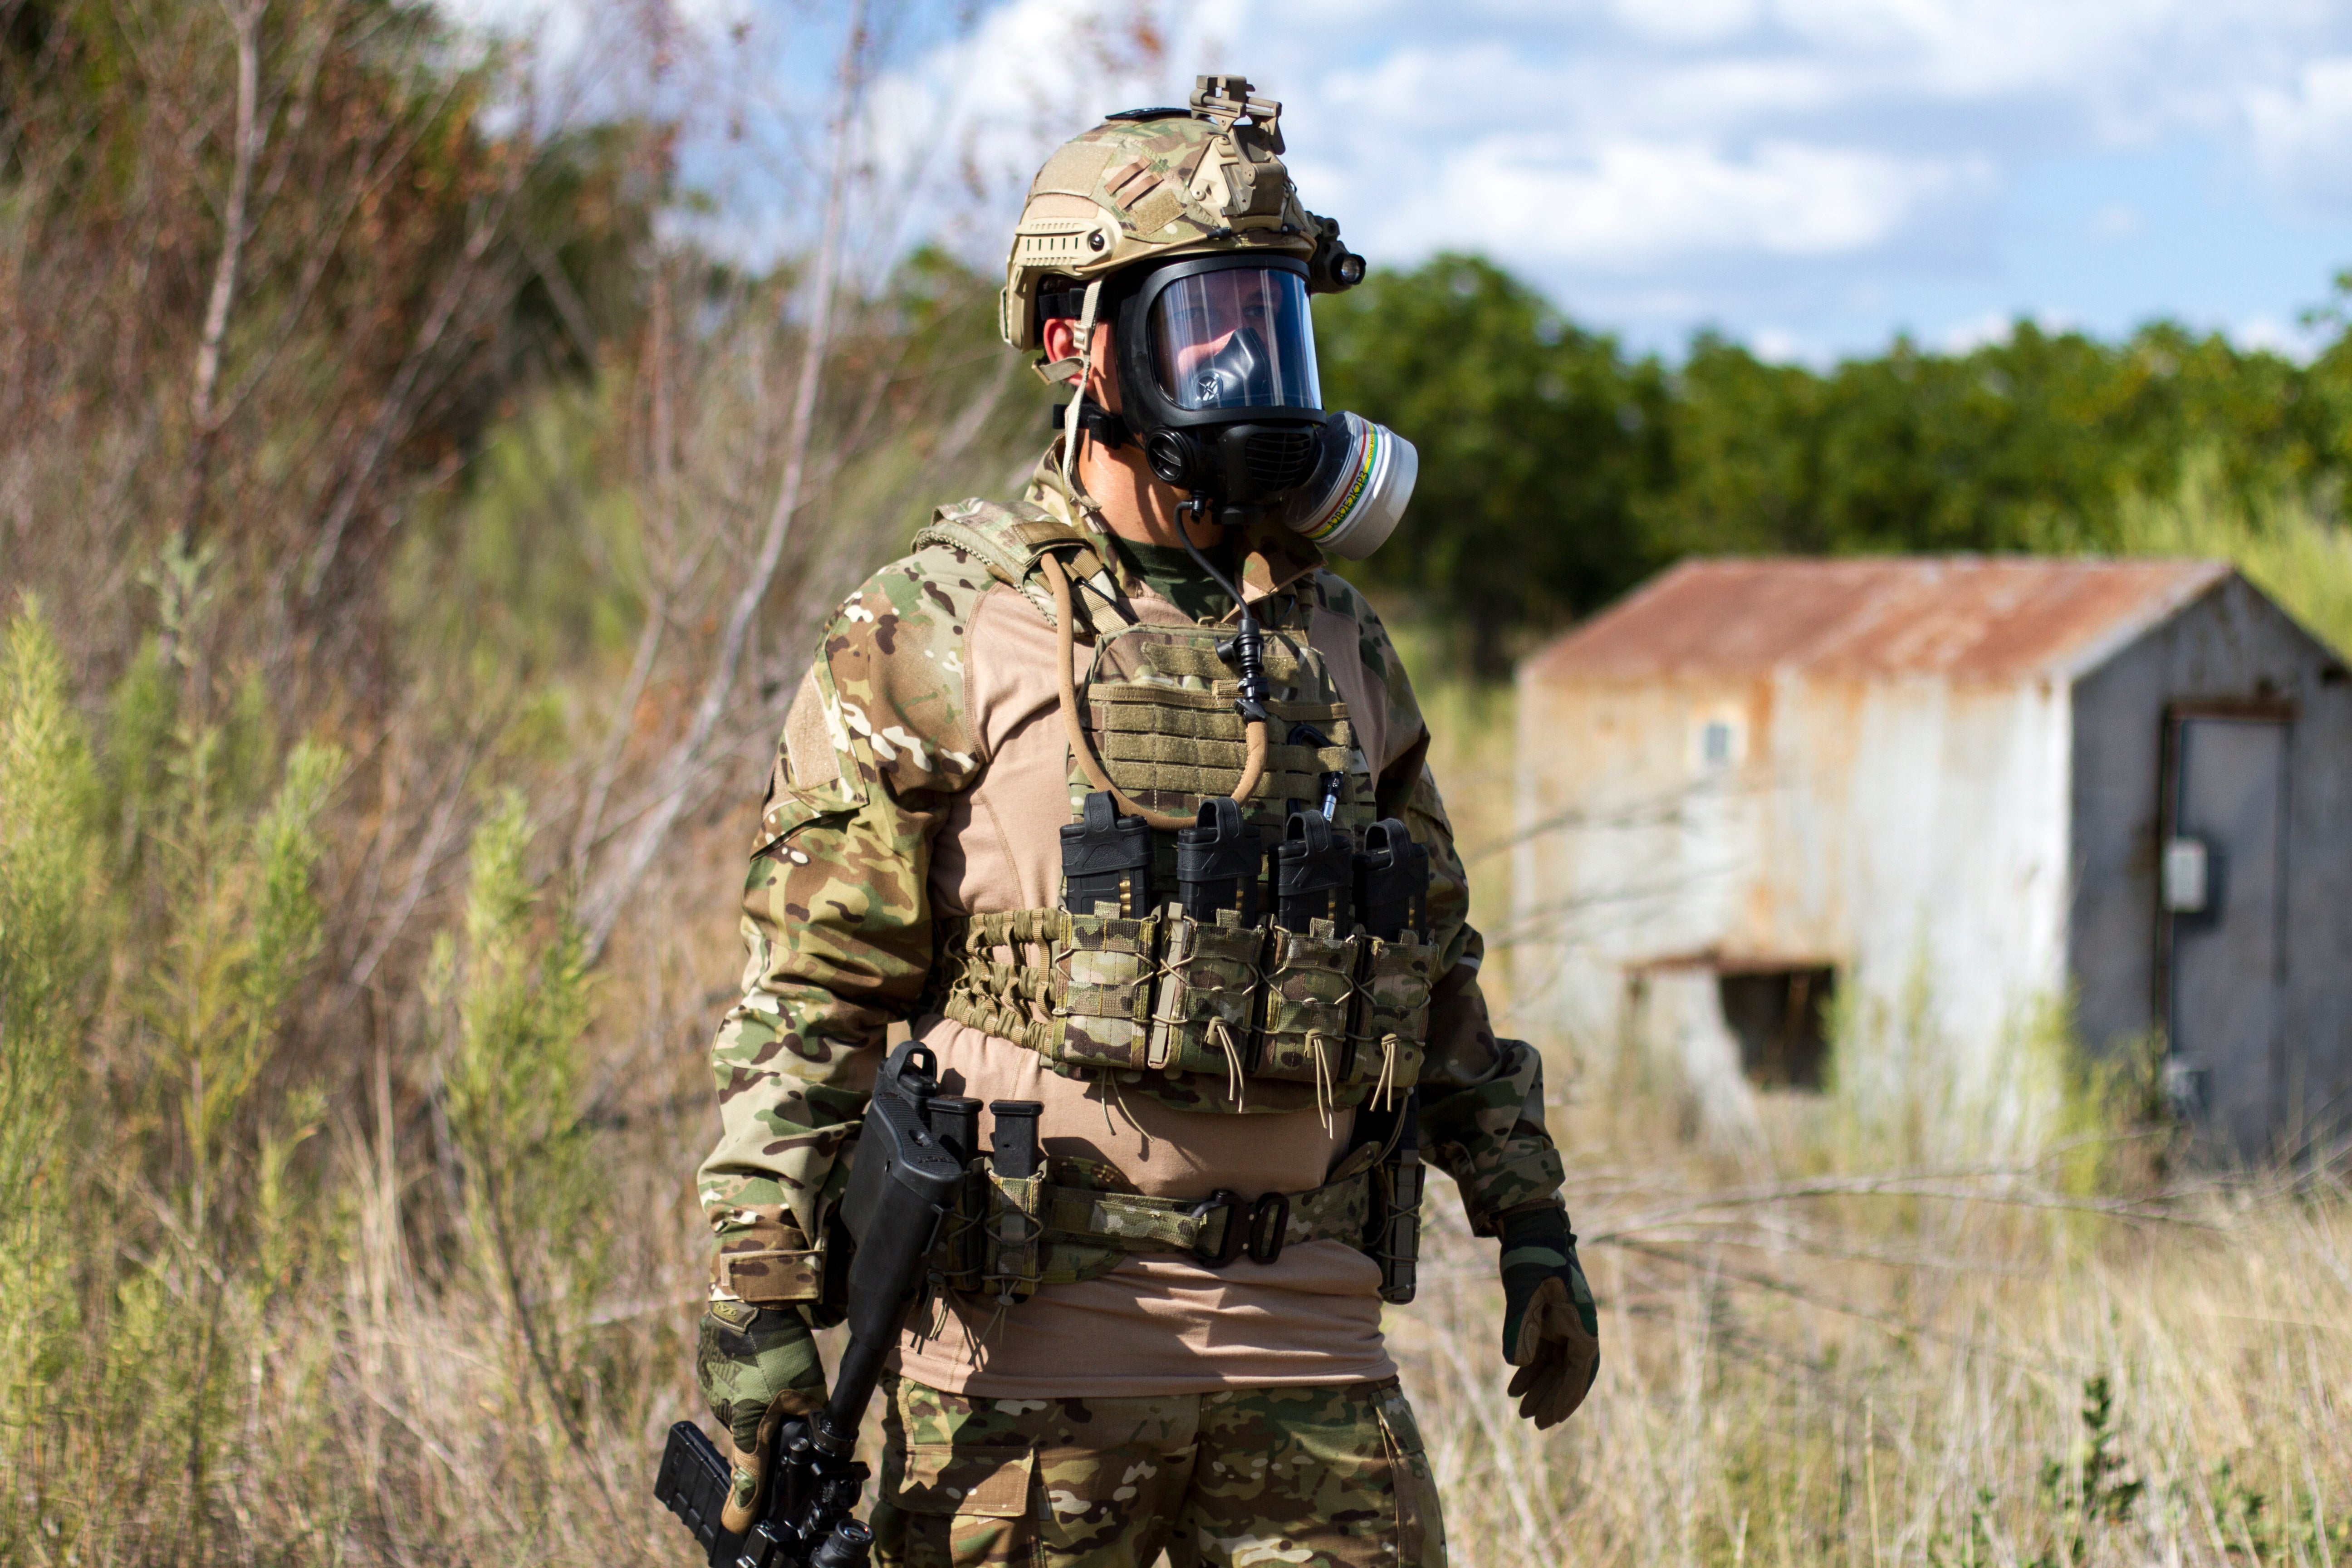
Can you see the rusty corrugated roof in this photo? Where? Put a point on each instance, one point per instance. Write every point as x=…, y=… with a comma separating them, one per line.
x=1965, y=618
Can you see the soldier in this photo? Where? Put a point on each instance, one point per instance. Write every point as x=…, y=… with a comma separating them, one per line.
x=1170, y=1337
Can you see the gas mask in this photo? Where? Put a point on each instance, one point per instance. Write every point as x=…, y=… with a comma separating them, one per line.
x=1217, y=379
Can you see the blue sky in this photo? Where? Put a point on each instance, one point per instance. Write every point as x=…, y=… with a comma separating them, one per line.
x=1809, y=176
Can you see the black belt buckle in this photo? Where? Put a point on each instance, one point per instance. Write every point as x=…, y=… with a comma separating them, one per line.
x=1269, y=1227
x=1237, y=1228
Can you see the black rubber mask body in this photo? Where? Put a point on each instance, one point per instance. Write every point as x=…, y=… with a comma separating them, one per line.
x=1217, y=377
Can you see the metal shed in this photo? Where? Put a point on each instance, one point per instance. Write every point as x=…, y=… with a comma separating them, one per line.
x=1959, y=792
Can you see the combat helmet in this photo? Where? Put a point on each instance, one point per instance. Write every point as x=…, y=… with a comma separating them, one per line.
x=1153, y=184
x=1180, y=229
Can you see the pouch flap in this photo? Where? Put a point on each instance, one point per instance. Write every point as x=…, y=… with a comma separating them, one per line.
x=942, y=1479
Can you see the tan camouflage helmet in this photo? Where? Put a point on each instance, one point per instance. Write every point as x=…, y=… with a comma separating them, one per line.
x=1149, y=185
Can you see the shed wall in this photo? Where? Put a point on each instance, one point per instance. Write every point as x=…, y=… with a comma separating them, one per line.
x=2232, y=645
x=1911, y=832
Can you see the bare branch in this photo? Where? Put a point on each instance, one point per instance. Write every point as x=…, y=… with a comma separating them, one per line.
x=244, y=19
x=395, y=407
x=427, y=854
x=680, y=767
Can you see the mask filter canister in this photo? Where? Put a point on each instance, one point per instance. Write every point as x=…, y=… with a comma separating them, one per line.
x=1363, y=477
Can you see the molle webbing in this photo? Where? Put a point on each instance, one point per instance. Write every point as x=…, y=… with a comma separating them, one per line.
x=1216, y=1007
x=1011, y=1001
x=1159, y=705
x=1176, y=741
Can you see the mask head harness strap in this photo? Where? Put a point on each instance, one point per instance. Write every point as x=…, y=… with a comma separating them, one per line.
x=1070, y=420
x=1100, y=423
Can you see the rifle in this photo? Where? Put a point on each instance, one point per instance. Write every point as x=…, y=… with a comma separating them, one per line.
x=902, y=1182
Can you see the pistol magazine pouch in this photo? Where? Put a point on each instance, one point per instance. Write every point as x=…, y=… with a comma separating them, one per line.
x=1014, y=1248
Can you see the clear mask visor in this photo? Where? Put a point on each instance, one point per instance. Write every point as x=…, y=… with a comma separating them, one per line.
x=1240, y=337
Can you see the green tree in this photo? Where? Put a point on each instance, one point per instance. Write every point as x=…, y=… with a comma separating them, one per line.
x=1537, y=441
x=2031, y=442
x=1557, y=472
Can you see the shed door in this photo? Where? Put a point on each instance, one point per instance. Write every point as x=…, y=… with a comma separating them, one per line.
x=2223, y=873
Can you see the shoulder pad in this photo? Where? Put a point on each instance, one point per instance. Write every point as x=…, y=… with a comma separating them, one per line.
x=1007, y=538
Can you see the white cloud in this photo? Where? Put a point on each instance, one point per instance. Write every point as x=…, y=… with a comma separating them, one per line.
x=1668, y=162
x=2303, y=133
x=1778, y=345
x=1769, y=156
x=1997, y=327
x=1625, y=204
x=2117, y=220
x=2292, y=339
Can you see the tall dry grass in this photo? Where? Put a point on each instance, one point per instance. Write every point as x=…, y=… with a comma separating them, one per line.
x=367, y=881
x=1951, y=1369
x=1847, y=1342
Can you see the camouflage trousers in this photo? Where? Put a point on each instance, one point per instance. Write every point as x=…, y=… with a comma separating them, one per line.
x=1328, y=1476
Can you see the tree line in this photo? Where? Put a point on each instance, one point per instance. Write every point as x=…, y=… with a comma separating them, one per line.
x=1558, y=469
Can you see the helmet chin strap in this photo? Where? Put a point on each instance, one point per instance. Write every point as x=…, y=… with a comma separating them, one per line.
x=1071, y=429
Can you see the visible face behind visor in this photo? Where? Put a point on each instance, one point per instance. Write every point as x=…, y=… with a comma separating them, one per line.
x=1237, y=338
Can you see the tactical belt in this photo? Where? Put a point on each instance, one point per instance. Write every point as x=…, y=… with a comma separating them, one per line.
x=1215, y=1229
x=1019, y=1233
x=1339, y=1018
x=1011, y=1235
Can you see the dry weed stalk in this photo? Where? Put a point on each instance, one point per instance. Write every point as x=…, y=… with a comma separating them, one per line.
x=1986, y=1384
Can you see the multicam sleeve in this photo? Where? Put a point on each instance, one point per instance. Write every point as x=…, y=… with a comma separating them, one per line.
x=1482, y=1111
x=837, y=913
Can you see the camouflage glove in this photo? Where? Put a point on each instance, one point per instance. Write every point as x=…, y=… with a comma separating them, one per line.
x=1551, y=1331
x=756, y=1365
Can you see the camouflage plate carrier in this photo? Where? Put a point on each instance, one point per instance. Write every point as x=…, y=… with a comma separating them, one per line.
x=1205, y=1015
